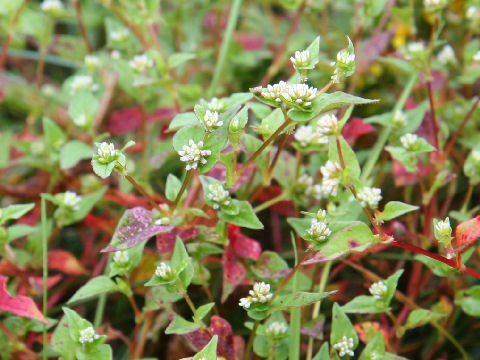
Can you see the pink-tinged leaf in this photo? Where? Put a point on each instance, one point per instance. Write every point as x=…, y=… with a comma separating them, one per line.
x=166, y=240
x=368, y=330
x=18, y=305
x=248, y=41
x=65, y=262
x=124, y=199
x=244, y=246
x=467, y=232
x=135, y=226
x=402, y=177
x=355, y=128
x=233, y=273
x=51, y=282
x=238, y=346
x=284, y=208
x=127, y=120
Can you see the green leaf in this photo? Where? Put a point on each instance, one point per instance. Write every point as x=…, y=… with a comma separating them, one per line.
x=209, y=352
x=54, y=135
x=364, y=304
x=203, y=310
x=182, y=120
x=62, y=342
x=177, y=59
x=391, y=284
x=271, y=123
x=469, y=300
x=237, y=99
x=179, y=259
x=72, y=152
x=375, y=349
x=270, y=265
x=181, y=326
x=102, y=352
x=298, y=299
x=245, y=217
x=14, y=212
x=323, y=353
x=437, y=267
x=239, y=121
x=5, y=142
x=84, y=103
x=99, y=285
x=86, y=204
x=406, y=158
x=18, y=231
x=341, y=326
x=103, y=170
x=349, y=156
x=394, y=209
x=172, y=187
x=200, y=250
x=419, y=317
x=327, y=102
x=314, y=50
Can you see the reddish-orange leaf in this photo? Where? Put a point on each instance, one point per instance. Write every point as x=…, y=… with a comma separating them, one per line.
x=18, y=305
x=467, y=232
x=367, y=330
x=65, y=262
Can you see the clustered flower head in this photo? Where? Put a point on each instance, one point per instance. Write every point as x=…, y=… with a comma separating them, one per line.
x=434, y=4
x=91, y=61
x=305, y=135
x=211, y=120
x=193, y=154
x=447, y=55
x=345, y=346
x=71, y=200
x=216, y=105
x=164, y=271
x=88, y=335
x=413, y=50
x=399, y=119
x=218, y=195
x=277, y=329
x=370, y=196
x=301, y=59
x=52, y=6
x=80, y=82
x=259, y=294
x=328, y=124
x=298, y=94
x=121, y=257
x=106, y=152
x=119, y=35
x=80, y=120
x=409, y=141
x=476, y=56
x=331, y=172
x=344, y=65
x=378, y=290
x=473, y=13
x=319, y=230
x=307, y=187
x=140, y=63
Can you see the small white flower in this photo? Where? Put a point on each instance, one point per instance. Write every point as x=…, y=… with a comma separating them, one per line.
x=119, y=35
x=52, y=6
x=106, y=152
x=91, y=61
x=476, y=156
x=193, y=154
x=434, y=4
x=345, y=57
x=331, y=172
x=71, y=200
x=443, y=228
x=399, y=119
x=211, y=120
x=305, y=135
x=409, y=141
x=473, y=13
x=164, y=271
x=319, y=230
x=345, y=346
x=370, y=196
x=276, y=329
x=301, y=59
x=306, y=186
x=328, y=124
x=245, y=302
x=345, y=62
x=447, y=55
x=476, y=56
x=163, y=221
x=304, y=182
x=260, y=293
x=413, y=50
x=121, y=257
x=115, y=54
x=273, y=92
x=216, y=105
x=218, y=195
x=82, y=82
x=378, y=290
x=80, y=120
x=140, y=63
x=300, y=94
x=88, y=335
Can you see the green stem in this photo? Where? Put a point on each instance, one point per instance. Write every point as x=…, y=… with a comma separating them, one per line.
x=468, y=196
x=385, y=133
x=248, y=348
x=187, y=179
x=267, y=204
x=45, y=271
x=227, y=38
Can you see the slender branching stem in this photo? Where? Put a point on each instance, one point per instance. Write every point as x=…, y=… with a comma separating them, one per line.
x=142, y=191
x=81, y=26
x=249, y=346
x=185, y=183
x=273, y=201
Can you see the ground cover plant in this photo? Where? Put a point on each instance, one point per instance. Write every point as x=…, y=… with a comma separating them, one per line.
x=275, y=179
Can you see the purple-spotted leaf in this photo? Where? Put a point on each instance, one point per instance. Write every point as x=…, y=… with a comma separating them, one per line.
x=135, y=226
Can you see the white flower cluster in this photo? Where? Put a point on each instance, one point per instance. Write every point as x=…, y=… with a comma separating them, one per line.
x=319, y=230
x=121, y=257
x=443, y=228
x=307, y=187
x=345, y=61
x=71, y=200
x=216, y=105
x=193, y=154
x=211, y=120
x=447, y=55
x=409, y=141
x=52, y=6
x=399, y=119
x=328, y=124
x=434, y=4
x=259, y=294
x=164, y=271
x=91, y=61
x=331, y=172
x=218, y=195
x=301, y=59
x=345, y=346
x=378, y=290
x=476, y=56
x=106, y=152
x=370, y=196
x=119, y=35
x=140, y=63
x=276, y=329
x=80, y=120
x=305, y=135
x=88, y=335
x=476, y=156
x=163, y=221
x=299, y=94
x=473, y=13
x=80, y=82
x=413, y=50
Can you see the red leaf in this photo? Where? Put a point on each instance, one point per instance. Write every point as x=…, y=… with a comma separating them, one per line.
x=402, y=177
x=65, y=262
x=166, y=240
x=233, y=273
x=127, y=120
x=18, y=305
x=467, y=232
x=355, y=128
x=243, y=245
x=249, y=41
x=124, y=199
